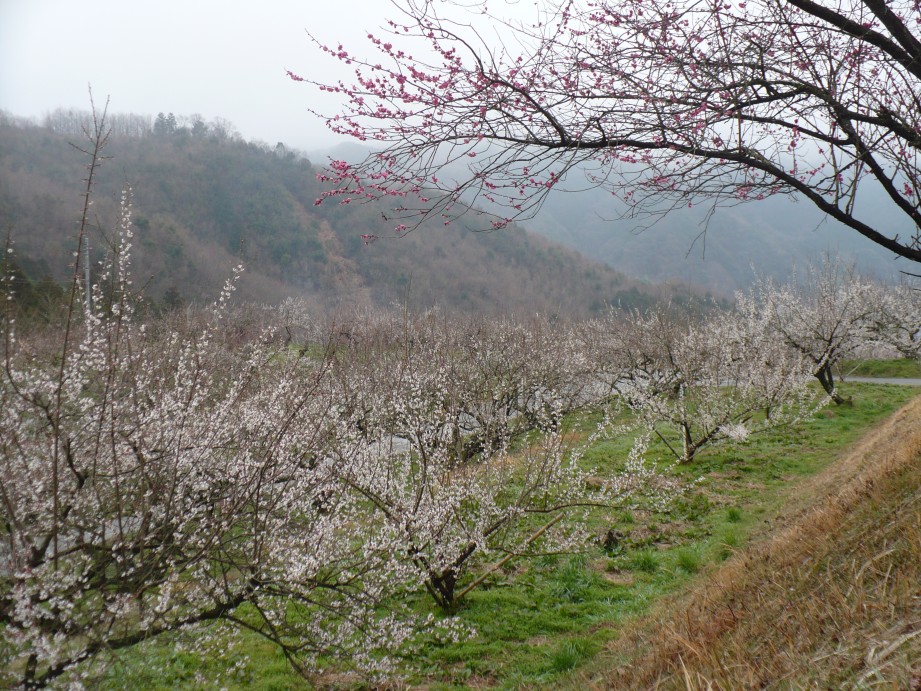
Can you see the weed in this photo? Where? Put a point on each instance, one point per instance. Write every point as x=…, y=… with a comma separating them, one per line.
x=613, y=542
x=568, y=655
x=693, y=507
x=573, y=581
x=729, y=543
x=688, y=559
x=645, y=560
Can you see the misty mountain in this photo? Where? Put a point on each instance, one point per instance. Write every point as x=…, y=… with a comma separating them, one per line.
x=720, y=251
x=204, y=200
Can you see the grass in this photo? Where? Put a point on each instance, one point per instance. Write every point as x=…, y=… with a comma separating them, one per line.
x=904, y=368
x=569, y=655
x=688, y=559
x=730, y=539
x=645, y=560
x=574, y=581
x=550, y=619
x=831, y=600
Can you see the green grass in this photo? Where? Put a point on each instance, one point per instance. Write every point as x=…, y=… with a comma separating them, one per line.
x=729, y=541
x=544, y=617
x=569, y=655
x=645, y=560
x=689, y=559
x=904, y=368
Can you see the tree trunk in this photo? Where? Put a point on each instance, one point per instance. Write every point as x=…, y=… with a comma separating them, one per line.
x=827, y=380
x=690, y=448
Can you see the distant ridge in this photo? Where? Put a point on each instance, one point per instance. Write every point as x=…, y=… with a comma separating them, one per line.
x=718, y=251
x=205, y=200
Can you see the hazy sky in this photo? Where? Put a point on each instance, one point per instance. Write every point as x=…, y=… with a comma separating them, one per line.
x=211, y=57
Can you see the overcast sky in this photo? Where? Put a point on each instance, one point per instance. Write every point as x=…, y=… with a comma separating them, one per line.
x=211, y=57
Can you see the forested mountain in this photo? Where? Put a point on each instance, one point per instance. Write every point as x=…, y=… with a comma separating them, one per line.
x=204, y=200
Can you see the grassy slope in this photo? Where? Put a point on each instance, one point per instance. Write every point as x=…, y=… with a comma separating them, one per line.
x=883, y=368
x=557, y=618
x=829, y=598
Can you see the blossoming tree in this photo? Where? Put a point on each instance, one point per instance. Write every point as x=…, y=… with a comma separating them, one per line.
x=454, y=435
x=155, y=480
x=666, y=103
x=897, y=320
x=722, y=379
x=825, y=312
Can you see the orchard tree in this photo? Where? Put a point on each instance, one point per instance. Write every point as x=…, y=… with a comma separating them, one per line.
x=454, y=432
x=509, y=370
x=723, y=379
x=896, y=322
x=155, y=480
x=826, y=312
x=666, y=103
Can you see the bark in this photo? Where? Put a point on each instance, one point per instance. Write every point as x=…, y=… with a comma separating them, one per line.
x=827, y=379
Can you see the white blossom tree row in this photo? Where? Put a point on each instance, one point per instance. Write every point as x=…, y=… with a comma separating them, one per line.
x=159, y=481
x=707, y=381
x=165, y=476
x=829, y=313
x=172, y=475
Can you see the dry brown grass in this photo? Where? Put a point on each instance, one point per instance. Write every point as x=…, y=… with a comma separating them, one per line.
x=830, y=599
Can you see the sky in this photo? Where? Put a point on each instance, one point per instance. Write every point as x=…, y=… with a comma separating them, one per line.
x=207, y=57
x=210, y=57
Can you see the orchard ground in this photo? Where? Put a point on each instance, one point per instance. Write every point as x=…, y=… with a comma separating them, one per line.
x=587, y=619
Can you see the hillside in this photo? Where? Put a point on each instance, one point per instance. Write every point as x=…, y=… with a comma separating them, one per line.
x=826, y=598
x=205, y=200
x=719, y=251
